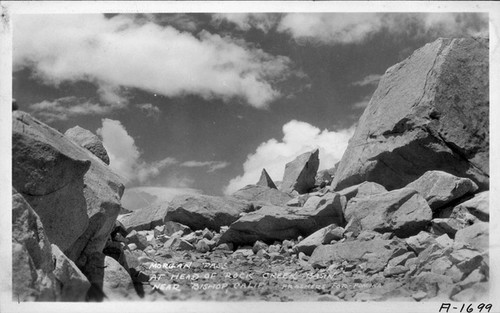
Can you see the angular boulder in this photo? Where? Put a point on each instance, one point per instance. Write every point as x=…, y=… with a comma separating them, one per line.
x=440, y=188
x=76, y=196
x=324, y=210
x=323, y=178
x=144, y=219
x=475, y=236
x=300, y=173
x=429, y=112
x=265, y=180
x=268, y=224
x=261, y=195
x=402, y=212
x=478, y=206
x=117, y=283
x=376, y=253
x=362, y=190
x=200, y=211
x=322, y=236
x=89, y=141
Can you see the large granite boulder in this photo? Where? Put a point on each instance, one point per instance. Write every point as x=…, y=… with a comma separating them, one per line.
x=440, y=188
x=300, y=174
x=73, y=284
x=268, y=224
x=478, y=206
x=403, y=212
x=475, y=236
x=260, y=195
x=144, y=219
x=265, y=180
x=76, y=195
x=201, y=211
x=89, y=141
x=272, y=223
x=429, y=112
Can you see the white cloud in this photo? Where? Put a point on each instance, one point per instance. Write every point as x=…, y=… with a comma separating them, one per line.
x=68, y=107
x=245, y=21
x=149, y=109
x=120, y=52
x=125, y=157
x=212, y=165
x=144, y=196
x=356, y=27
x=363, y=103
x=368, y=80
x=298, y=137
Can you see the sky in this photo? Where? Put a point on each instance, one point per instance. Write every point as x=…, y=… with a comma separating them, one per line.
x=201, y=103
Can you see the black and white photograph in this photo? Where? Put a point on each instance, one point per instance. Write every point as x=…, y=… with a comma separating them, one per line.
x=249, y=157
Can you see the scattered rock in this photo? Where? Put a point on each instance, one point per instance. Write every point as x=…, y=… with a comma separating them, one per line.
x=440, y=188
x=376, y=253
x=417, y=121
x=323, y=178
x=173, y=227
x=300, y=173
x=89, y=141
x=420, y=241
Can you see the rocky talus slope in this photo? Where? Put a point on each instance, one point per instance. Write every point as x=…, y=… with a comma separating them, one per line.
x=404, y=216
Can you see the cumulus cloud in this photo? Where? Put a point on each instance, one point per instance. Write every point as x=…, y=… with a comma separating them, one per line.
x=144, y=196
x=211, y=165
x=119, y=52
x=149, y=109
x=245, y=21
x=125, y=157
x=298, y=137
x=69, y=107
x=356, y=27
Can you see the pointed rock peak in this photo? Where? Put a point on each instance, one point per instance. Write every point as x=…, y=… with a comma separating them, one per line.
x=300, y=173
x=265, y=180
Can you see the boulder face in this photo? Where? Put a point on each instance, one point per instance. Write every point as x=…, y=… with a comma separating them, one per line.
x=429, y=112
x=439, y=188
x=300, y=174
x=200, y=211
x=144, y=219
x=260, y=195
x=265, y=180
x=403, y=212
x=89, y=141
x=76, y=196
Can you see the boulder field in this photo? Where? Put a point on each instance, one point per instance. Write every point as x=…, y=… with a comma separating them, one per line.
x=404, y=216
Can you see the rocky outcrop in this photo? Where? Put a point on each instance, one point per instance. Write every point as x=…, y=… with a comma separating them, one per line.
x=76, y=196
x=261, y=195
x=300, y=173
x=429, y=112
x=440, y=188
x=403, y=212
x=200, y=211
x=265, y=180
x=89, y=141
